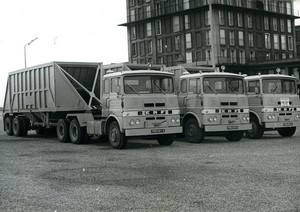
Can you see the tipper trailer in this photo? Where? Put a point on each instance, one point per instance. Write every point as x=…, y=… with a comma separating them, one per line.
x=274, y=104
x=211, y=103
x=88, y=99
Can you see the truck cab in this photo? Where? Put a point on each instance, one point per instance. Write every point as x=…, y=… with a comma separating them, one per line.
x=274, y=104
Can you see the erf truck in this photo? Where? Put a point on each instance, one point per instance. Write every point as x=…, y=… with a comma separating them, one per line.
x=86, y=99
x=211, y=103
x=274, y=104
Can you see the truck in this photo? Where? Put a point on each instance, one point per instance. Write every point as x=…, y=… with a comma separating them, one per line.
x=274, y=104
x=211, y=103
x=81, y=100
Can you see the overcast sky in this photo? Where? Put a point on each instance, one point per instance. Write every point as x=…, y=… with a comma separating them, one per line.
x=67, y=30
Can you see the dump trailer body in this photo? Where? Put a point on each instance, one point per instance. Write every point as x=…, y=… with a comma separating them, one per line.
x=53, y=87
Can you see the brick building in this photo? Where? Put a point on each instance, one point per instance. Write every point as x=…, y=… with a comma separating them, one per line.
x=244, y=35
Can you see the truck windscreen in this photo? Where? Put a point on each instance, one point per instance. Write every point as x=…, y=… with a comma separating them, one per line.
x=148, y=84
x=223, y=85
x=279, y=86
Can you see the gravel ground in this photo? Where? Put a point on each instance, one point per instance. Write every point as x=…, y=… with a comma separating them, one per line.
x=40, y=174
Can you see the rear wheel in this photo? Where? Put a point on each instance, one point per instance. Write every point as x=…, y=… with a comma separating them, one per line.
x=116, y=138
x=193, y=133
x=78, y=134
x=17, y=126
x=234, y=135
x=62, y=130
x=257, y=130
x=287, y=132
x=165, y=140
x=8, y=124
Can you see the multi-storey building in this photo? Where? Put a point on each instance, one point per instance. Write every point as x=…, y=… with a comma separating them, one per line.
x=244, y=35
x=298, y=40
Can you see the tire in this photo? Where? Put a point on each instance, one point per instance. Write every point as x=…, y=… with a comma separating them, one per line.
x=115, y=137
x=257, y=130
x=287, y=132
x=62, y=130
x=192, y=132
x=8, y=122
x=165, y=140
x=77, y=134
x=17, y=126
x=24, y=121
x=234, y=135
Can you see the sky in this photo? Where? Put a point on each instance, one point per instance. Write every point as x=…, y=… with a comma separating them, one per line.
x=66, y=30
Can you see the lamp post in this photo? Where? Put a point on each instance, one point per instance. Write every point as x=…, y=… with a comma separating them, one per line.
x=25, y=49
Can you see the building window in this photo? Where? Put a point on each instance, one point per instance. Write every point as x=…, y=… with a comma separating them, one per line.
x=198, y=39
x=158, y=8
x=186, y=4
x=149, y=47
x=149, y=30
x=249, y=3
x=275, y=26
x=252, y=56
x=274, y=6
x=188, y=40
x=233, y=56
x=199, y=56
x=206, y=18
x=132, y=15
x=222, y=37
x=268, y=56
x=221, y=17
x=283, y=42
x=207, y=37
x=224, y=54
x=266, y=22
x=266, y=5
x=158, y=27
x=239, y=3
x=132, y=3
x=276, y=41
x=133, y=49
x=283, y=56
x=208, y=54
x=281, y=7
x=230, y=18
x=177, y=42
x=241, y=38
x=160, y=60
x=291, y=55
x=159, y=46
x=133, y=32
x=249, y=20
x=142, y=48
x=187, y=22
x=148, y=11
x=288, y=8
x=176, y=26
x=289, y=26
x=240, y=19
x=168, y=45
x=277, y=56
x=242, y=57
x=189, y=57
x=282, y=25
x=251, y=39
x=231, y=38
x=290, y=42
x=267, y=41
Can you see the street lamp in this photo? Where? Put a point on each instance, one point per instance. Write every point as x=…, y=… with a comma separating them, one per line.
x=25, y=49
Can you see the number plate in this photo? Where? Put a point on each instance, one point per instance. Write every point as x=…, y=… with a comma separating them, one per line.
x=158, y=131
x=233, y=127
x=288, y=124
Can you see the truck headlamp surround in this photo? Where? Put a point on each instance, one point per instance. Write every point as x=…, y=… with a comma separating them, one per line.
x=212, y=118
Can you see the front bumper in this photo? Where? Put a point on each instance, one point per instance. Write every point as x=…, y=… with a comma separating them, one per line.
x=222, y=128
x=153, y=131
x=275, y=125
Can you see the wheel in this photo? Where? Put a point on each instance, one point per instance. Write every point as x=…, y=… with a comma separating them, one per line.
x=24, y=121
x=8, y=122
x=287, y=132
x=234, y=135
x=257, y=130
x=62, y=130
x=115, y=137
x=165, y=140
x=17, y=126
x=77, y=134
x=193, y=133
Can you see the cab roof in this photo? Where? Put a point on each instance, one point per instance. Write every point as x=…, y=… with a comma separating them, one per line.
x=212, y=74
x=138, y=72
x=268, y=76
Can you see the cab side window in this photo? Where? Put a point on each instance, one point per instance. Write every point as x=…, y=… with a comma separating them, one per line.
x=253, y=87
x=106, y=86
x=114, y=85
x=183, y=86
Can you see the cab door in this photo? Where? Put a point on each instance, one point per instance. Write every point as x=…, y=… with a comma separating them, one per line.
x=194, y=98
x=254, y=95
x=182, y=96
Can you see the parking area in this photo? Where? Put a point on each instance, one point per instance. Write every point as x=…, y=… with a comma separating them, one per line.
x=38, y=173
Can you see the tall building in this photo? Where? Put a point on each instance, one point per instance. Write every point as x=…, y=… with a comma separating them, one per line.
x=298, y=40
x=243, y=35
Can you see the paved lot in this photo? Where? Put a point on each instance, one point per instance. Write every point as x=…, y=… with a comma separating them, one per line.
x=41, y=174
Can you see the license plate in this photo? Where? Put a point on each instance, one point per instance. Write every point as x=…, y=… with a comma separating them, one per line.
x=158, y=131
x=233, y=127
x=288, y=124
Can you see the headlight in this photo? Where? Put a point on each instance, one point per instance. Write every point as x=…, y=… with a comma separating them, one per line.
x=173, y=120
x=273, y=116
x=269, y=117
x=178, y=120
x=137, y=122
x=210, y=119
x=132, y=122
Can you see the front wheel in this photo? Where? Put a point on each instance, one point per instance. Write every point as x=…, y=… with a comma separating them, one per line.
x=192, y=132
x=234, y=135
x=78, y=134
x=257, y=130
x=8, y=124
x=287, y=132
x=165, y=140
x=115, y=137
